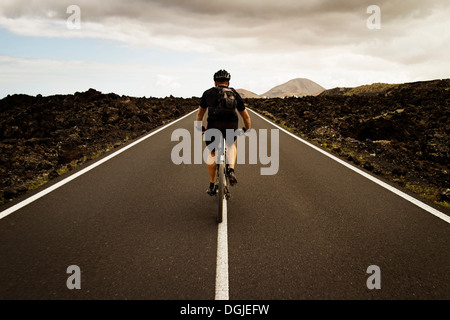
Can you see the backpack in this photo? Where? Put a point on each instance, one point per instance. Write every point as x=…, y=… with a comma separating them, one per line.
x=226, y=103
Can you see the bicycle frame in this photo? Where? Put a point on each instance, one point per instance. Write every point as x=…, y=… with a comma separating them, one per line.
x=222, y=180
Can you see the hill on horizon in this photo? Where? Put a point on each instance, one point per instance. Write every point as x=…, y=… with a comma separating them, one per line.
x=301, y=87
x=379, y=88
x=296, y=87
x=368, y=89
x=247, y=94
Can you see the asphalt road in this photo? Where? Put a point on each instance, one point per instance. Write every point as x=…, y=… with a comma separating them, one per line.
x=139, y=226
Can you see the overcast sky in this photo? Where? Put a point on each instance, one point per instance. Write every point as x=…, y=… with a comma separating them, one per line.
x=173, y=47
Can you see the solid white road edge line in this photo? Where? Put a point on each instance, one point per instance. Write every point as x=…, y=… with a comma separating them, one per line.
x=405, y=196
x=222, y=258
x=81, y=172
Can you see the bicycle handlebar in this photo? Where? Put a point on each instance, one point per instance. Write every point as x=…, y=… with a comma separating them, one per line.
x=238, y=132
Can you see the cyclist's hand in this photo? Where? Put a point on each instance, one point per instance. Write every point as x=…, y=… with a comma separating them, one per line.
x=242, y=132
x=247, y=130
x=202, y=129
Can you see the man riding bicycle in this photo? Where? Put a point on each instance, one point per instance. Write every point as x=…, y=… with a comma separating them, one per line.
x=222, y=116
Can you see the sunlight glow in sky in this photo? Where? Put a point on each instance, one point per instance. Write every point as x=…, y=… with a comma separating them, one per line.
x=160, y=48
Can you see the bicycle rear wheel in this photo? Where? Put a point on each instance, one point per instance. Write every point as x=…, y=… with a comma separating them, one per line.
x=221, y=191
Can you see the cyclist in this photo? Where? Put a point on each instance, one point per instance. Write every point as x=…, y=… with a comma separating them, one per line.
x=221, y=119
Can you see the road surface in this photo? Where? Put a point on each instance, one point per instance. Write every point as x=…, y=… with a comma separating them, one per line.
x=139, y=226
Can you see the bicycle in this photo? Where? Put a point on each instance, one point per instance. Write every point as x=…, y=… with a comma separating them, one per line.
x=223, y=180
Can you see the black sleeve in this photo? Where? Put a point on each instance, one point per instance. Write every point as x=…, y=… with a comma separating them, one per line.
x=240, y=102
x=203, y=103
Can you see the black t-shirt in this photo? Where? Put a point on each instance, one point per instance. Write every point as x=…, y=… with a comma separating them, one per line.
x=210, y=99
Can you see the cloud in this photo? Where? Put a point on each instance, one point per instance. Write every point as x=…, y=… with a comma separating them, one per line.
x=286, y=24
x=268, y=40
x=46, y=76
x=167, y=81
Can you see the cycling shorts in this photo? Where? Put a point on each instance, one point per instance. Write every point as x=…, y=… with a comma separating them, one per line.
x=222, y=127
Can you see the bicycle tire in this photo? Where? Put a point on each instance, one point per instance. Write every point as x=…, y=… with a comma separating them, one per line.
x=221, y=191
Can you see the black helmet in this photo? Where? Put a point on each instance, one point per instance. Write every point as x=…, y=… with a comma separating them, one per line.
x=222, y=75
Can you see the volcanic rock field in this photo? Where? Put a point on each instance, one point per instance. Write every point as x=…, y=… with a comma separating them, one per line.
x=398, y=132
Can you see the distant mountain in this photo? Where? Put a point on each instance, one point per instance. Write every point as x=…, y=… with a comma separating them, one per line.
x=296, y=87
x=364, y=90
x=247, y=94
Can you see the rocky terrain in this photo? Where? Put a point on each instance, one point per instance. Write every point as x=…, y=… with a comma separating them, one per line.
x=43, y=137
x=400, y=132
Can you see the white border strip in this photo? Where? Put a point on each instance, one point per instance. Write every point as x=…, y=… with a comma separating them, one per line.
x=222, y=258
x=79, y=173
x=405, y=196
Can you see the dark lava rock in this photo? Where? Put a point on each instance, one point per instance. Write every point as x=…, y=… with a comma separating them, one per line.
x=397, y=131
x=40, y=135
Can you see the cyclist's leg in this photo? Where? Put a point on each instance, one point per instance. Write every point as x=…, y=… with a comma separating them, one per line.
x=231, y=144
x=211, y=161
x=232, y=155
x=212, y=167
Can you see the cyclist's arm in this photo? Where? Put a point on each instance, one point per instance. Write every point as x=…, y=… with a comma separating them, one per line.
x=201, y=113
x=246, y=118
